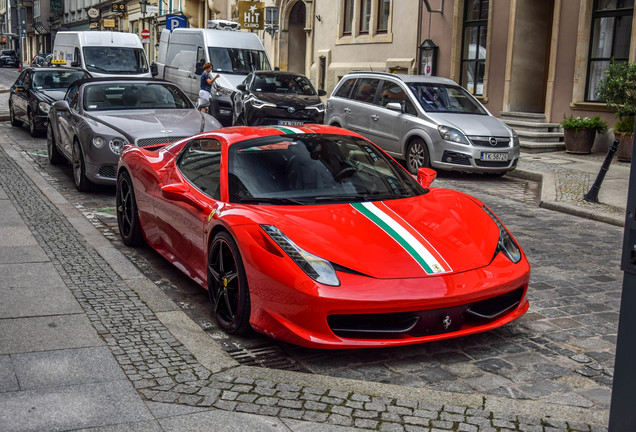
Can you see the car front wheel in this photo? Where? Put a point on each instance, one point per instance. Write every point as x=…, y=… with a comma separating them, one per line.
x=417, y=156
x=14, y=121
x=55, y=157
x=79, y=169
x=227, y=285
x=32, y=127
x=127, y=213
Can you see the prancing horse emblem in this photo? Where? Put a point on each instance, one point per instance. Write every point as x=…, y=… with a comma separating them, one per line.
x=446, y=322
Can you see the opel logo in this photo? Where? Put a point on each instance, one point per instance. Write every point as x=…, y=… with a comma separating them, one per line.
x=291, y=110
x=446, y=322
x=493, y=141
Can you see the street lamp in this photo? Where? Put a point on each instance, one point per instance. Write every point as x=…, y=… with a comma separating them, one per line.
x=143, y=5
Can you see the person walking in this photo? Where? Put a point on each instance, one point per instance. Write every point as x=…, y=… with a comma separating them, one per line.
x=206, y=87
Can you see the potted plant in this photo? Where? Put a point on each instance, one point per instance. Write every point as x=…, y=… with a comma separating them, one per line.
x=618, y=90
x=580, y=133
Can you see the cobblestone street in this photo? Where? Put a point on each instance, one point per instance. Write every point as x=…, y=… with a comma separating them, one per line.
x=560, y=352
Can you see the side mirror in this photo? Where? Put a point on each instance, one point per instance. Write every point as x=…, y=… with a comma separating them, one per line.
x=154, y=70
x=394, y=106
x=322, y=93
x=425, y=176
x=241, y=87
x=198, y=68
x=61, y=105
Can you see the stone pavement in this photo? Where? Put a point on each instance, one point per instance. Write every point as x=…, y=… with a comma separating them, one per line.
x=86, y=341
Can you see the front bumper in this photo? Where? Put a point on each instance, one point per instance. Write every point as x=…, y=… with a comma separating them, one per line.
x=474, y=158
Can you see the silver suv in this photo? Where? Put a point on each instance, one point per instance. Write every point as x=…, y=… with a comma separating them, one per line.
x=426, y=121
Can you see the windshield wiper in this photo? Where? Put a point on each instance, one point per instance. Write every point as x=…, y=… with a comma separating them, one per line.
x=359, y=197
x=271, y=200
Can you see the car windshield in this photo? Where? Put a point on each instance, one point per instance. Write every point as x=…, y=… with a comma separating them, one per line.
x=445, y=98
x=305, y=169
x=283, y=84
x=56, y=80
x=115, y=60
x=137, y=95
x=237, y=61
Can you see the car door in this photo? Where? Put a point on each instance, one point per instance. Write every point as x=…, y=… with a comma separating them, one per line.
x=361, y=105
x=20, y=98
x=386, y=125
x=183, y=208
x=65, y=121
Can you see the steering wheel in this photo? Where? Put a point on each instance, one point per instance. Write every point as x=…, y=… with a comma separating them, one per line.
x=344, y=173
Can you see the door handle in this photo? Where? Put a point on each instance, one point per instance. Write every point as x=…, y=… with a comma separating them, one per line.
x=374, y=116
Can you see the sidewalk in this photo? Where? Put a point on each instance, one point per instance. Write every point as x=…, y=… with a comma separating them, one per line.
x=86, y=340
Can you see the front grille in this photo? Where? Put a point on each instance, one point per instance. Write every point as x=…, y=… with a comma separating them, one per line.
x=481, y=141
x=455, y=158
x=426, y=322
x=108, y=171
x=492, y=164
x=147, y=142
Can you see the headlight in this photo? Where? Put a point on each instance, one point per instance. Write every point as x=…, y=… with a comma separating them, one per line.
x=99, y=142
x=257, y=103
x=320, y=107
x=44, y=107
x=515, y=139
x=506, y=243
x=453, y=135
x=116, y=144
x=316, y=268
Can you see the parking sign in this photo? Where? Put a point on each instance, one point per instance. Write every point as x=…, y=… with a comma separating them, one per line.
x=175, y=21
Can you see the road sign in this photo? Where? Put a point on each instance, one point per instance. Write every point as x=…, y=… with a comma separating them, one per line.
x=175, y=21
x=145, y=34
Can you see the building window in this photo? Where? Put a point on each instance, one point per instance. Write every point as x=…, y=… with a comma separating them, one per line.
x=384, y=8
x=474, y=45
x=365, y=16
x=348, y=17
x=611, y=33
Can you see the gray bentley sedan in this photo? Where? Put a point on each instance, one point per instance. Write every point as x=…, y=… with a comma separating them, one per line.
x=99, y=116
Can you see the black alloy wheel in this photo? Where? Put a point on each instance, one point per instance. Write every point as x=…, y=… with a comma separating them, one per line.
x=227, y=285
x=32, y=129
x=79, y=168
x=127, y=213
x=14, y=122
x=55, y=157
x=417, y=156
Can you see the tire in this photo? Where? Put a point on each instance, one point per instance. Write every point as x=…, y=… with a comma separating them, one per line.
x=227, y=285
x=32, y=129
x=417, y=156
x=79, y=169
x=14, y=122
x=127, y=212
x=55, y=157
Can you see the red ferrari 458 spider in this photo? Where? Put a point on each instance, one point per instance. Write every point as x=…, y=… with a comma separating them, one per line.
x=314, y=236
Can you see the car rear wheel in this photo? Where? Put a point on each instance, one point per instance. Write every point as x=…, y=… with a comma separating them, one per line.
x=55, y=157
x=127, y=213
x=14, y=121
x=79, y=169
x=417, y=156
x=227, y=285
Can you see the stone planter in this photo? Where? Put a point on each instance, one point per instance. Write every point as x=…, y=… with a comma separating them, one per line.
x=579, y=141
x=625, y=146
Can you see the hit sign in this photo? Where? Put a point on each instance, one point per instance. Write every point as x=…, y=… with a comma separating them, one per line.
x=251, y=15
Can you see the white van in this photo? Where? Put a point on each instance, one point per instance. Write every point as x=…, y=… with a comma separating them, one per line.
x=102, y=53
x=233, y=55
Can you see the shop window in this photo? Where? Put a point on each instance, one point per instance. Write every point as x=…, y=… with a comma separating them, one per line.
x=475, y=32
x=610, y=38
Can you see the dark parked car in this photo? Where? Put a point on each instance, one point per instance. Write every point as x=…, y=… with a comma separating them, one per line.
x=277, y=98
x=35, y=90
x=9, y=58
x=99, y=116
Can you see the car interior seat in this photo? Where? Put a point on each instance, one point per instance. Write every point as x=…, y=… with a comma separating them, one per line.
x=96, y=98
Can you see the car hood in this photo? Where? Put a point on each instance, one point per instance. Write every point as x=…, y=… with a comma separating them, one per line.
x=472, y=124
x=144, y=123
x=441, y=232
x=286, y=100
x=50, y=96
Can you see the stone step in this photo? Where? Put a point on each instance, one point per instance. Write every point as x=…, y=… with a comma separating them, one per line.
x=522, y=125
x=523, y=116
x=539, y=136
x=541, y=147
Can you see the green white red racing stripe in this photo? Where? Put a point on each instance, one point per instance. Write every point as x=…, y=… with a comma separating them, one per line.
x=292, y=130
x=405, y=235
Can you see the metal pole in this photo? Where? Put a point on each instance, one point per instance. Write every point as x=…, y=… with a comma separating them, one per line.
x=592, y=194
x=622, y=413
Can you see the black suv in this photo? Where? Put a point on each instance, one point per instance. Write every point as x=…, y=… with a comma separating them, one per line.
x=277, y=98
x=9, y=58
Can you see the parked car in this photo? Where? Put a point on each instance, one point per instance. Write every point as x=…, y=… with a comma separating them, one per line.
x=9, y=58
x=315, y=236
x=41, y=60
x=34, y=91
x=426, y=121
x=97, y=117
x=277, y=98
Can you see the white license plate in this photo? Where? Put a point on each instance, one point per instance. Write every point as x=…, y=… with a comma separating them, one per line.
x=290, y=122
x=499, y=156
